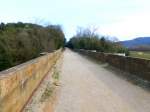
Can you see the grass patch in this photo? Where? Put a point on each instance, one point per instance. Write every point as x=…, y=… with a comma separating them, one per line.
x=47, y=93
x=50, y=87
x=140, y=54
x=55, y=75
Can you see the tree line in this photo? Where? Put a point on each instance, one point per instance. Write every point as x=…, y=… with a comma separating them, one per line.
x=89, y=40
x=20, y=42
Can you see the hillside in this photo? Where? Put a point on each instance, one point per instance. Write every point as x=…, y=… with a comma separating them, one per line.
x=137, y=43
x=20, y=42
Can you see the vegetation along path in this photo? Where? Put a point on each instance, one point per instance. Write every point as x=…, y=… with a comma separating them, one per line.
x=89, y=87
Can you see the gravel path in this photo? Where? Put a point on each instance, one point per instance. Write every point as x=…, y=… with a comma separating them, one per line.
x=88, y=87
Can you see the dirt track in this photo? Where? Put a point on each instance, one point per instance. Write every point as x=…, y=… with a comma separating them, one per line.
x=88, y=87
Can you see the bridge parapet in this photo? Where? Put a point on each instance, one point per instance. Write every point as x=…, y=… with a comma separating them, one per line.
x=18, y=83
x=137, y=66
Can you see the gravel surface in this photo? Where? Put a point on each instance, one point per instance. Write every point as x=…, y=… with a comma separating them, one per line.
x=89, y=87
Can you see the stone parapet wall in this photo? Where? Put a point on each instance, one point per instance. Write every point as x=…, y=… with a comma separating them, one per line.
x=18, y=83
x=136, y=66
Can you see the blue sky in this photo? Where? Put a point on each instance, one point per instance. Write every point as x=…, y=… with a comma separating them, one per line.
x=125, y=19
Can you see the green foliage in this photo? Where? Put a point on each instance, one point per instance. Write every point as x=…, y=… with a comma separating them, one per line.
x=121, y=49
x=90, y=41
x=20, y=42
x=2, y=26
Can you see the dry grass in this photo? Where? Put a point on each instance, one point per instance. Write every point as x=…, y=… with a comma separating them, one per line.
x=50, y=87
x=140, y=54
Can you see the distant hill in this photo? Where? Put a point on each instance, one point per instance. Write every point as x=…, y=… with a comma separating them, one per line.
x=137, y=43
